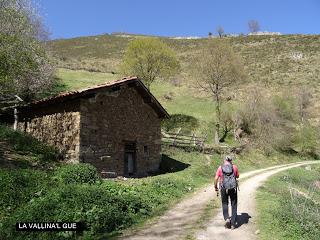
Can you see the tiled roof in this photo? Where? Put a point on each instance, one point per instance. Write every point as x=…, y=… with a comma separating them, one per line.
x=86, y=90
x=142, y=90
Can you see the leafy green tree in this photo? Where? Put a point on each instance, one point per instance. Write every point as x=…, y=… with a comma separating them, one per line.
x=149, y=59
x=25, y=65
x=217, y=69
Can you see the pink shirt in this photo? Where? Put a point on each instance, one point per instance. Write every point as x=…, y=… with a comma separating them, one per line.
x=219, y=171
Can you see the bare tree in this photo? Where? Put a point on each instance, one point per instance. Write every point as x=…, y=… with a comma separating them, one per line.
x=253, y=26
x=258, y=117
x=217, y=69
x=227, y=122
x=220, y=31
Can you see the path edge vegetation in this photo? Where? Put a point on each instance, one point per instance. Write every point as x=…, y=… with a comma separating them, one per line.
x=284, y=213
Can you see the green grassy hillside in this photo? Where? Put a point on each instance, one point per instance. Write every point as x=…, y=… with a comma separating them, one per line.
x=286, y=59
x=276, y=63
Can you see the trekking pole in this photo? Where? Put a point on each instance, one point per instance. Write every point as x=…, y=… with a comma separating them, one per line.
x=238, y=185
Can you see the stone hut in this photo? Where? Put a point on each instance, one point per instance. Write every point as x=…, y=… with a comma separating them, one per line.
x=114, y=126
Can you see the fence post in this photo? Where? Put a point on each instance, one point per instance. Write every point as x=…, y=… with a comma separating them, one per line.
x=176, y=136
x=202, y=143
x=192, y=140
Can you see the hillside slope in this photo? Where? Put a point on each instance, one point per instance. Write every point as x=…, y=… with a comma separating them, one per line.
x=285, y=59
x=276, y=63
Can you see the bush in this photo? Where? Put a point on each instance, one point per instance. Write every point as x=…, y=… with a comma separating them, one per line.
x=306, y=140
x=107, y=207
x=19, y=186
x=77, y=173
x=286, y=107
x=185, y=122
x=103, y=208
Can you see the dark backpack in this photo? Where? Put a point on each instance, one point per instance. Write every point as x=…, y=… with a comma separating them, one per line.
x=229, y=179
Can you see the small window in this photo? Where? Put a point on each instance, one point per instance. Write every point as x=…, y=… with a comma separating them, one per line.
x=146, y=150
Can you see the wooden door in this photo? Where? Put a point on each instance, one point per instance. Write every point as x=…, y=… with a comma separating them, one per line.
x=130, y=159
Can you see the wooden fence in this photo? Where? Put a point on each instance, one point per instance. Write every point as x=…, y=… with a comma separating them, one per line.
x=178, y=139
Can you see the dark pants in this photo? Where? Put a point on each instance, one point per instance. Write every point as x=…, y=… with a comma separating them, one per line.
x=232, y=193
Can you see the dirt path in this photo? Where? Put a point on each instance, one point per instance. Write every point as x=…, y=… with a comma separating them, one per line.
x=246, y=209
x=176, y=222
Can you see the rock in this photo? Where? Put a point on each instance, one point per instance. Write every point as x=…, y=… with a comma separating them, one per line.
x=257, y=232
x=317, y=184
x=168, y=97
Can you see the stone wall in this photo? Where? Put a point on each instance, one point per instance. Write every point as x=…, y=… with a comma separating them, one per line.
x=96, y=130
x=109, y=121
x=57, y=125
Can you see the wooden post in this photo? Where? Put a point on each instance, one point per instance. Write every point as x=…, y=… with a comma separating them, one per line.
x=202, y=143
x=175, y=138
x=192, y=140
x=15, y=113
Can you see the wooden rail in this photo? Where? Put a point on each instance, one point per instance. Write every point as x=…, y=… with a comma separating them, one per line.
x=178, y=139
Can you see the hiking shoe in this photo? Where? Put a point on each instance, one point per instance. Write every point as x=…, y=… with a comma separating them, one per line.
x=228, y=223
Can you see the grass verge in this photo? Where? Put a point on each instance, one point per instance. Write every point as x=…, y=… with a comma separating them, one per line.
x=288, y=205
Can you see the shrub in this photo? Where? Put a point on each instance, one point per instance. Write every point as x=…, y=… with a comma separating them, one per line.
x=286, y=107
x=103, y=208
x=305, y=140
x=19, y=186
x=185, y=122
x=77, y=173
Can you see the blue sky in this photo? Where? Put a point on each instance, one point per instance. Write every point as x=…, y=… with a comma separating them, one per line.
x=72, y=18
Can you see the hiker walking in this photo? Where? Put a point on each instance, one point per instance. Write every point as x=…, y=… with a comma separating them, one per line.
x=228, y=173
